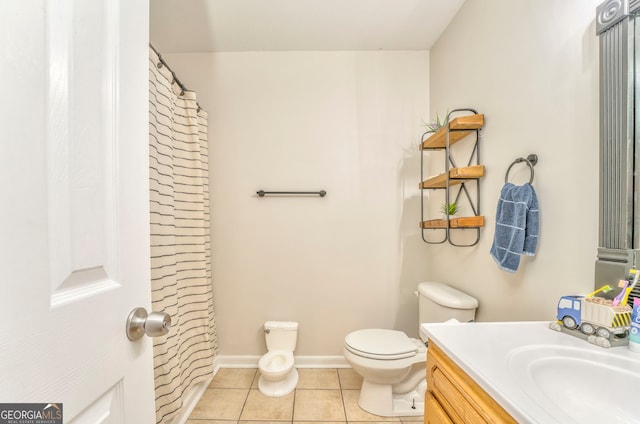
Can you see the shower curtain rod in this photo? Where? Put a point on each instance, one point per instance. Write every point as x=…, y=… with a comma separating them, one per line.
x=173, y=74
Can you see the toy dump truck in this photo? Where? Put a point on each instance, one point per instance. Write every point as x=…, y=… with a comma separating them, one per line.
x=594, y=315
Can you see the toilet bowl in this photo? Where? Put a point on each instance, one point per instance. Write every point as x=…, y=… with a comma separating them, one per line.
x=392, y=364
x=275, y=365
x=278, y=375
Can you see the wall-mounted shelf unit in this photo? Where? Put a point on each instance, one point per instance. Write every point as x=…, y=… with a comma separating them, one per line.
x=456, y=176
x=455, y=179
x=459, y=128
x=463, y=222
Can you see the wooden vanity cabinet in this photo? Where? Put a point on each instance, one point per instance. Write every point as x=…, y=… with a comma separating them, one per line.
x=453, y=397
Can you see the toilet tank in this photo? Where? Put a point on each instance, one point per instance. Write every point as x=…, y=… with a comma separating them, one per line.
x=281, y=335
x=440, y=302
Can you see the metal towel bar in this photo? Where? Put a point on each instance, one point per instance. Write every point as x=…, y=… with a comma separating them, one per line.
x=320, y=193
x=531, y=161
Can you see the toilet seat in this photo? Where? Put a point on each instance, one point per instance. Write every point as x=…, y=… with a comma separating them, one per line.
x=381, y=344
x=276, y=363
x=278, y=376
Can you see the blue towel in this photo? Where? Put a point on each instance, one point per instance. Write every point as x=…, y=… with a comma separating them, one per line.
x=517, y=226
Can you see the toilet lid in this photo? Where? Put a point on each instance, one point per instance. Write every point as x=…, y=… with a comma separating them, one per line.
x=381, y=344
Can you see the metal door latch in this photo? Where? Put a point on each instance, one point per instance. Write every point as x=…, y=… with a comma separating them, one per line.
x=140, y=323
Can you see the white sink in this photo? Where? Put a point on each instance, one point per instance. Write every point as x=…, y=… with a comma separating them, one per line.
x=578, y=385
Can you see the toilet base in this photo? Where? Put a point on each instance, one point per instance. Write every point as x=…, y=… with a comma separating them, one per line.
x=379, y=399
x=279, y=388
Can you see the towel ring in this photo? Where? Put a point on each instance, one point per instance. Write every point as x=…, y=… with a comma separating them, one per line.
x=531, y=161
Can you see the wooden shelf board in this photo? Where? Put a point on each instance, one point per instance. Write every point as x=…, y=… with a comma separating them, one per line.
x=456, y=176
x=460, y=127
x=461, y=222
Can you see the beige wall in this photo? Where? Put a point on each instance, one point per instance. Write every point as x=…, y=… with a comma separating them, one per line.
x=345, y=122
x=348, y=122
x=531, y=66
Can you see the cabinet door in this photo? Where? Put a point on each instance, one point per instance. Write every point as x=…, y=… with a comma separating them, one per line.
x=434, y=413
x=458, y=394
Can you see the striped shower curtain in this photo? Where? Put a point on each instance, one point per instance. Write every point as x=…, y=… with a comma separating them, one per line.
x=180, y=240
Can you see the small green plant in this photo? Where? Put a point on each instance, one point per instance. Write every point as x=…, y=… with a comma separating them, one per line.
x=449, y=209
x=434, y=126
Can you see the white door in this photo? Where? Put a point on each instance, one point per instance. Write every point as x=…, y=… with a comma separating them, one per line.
x=74, y=231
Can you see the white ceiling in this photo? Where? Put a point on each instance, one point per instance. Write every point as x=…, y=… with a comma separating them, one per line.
x=272, y=25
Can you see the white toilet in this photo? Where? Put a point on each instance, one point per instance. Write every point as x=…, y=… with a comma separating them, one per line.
x=278, y=376
x=392, y=365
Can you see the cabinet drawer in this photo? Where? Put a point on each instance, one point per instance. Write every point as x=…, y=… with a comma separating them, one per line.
x=457, y=400
x=434, y=414
x=458, y=395
x=451, y=395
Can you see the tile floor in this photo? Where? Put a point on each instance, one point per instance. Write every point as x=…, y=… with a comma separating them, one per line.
x=321, y=396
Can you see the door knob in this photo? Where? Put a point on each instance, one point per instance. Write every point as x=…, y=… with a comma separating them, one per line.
x=140, y=323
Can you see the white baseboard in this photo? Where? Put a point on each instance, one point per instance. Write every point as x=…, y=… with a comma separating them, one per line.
x=321, y=362
x=236, y=361
x=251, y=361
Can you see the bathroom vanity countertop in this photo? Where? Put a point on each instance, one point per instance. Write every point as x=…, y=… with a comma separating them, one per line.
x=539, y=375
